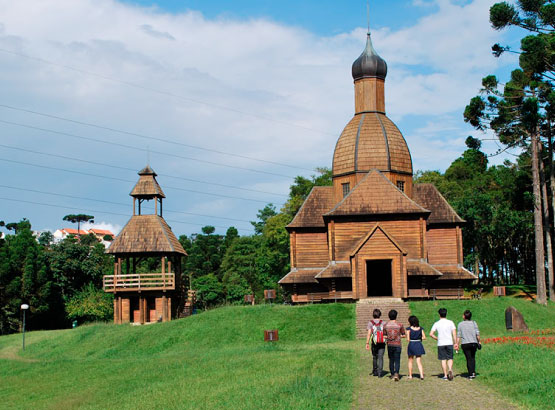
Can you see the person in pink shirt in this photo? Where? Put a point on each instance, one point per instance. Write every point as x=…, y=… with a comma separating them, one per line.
x=393, y=332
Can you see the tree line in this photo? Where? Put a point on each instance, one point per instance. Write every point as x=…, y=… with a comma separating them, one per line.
x=224, y=268
x=521, y=113
x=51, y=278
x=62, y=281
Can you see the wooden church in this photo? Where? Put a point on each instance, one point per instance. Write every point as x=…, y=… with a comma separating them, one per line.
x=153, y=296
x=373, y=233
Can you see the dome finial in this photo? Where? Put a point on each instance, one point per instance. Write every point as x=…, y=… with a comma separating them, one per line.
x=369, y=64
x=368, y=15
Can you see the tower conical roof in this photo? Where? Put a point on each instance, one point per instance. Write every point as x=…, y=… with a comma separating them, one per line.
x=369, y=64
x=147, y=171
x=147, y=187
x=146, y=234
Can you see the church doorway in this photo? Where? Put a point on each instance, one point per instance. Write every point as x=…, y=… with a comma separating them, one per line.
x=378, y=277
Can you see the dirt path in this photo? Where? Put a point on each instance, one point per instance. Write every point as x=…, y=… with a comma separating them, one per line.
x=431, y=393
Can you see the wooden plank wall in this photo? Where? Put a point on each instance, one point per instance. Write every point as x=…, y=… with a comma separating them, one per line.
x=293, y=249
x=406, y=233
x=159, y=303
x=443, y=246
x=117, y=310
x=369, y=95
x=460, y=257
x=338, y=185
x=311, y=249
x=394, y=177
x=125, y=310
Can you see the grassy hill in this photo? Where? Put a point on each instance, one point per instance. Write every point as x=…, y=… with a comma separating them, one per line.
x=216, y=359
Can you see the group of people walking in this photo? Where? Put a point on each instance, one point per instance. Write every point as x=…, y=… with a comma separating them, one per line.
x=449, y=338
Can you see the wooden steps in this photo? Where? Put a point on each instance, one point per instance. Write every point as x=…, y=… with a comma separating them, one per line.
x=365, y=308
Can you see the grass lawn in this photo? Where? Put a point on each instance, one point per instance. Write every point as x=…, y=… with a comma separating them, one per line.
x=525, y=373
x=216, y=359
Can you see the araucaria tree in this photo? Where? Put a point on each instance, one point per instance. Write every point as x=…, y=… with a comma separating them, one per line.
x=520, y=111
x=78, y=219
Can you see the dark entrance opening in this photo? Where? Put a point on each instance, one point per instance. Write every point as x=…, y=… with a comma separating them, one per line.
x=378, y=277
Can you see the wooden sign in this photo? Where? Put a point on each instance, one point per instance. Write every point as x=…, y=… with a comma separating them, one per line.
x=271, y=335
x=269, y=294
x=499, y=290
x=249, y=299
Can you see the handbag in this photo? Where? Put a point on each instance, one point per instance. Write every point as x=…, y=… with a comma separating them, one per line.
x=479, y=347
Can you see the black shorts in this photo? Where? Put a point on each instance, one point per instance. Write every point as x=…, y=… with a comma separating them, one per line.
x=445, y=352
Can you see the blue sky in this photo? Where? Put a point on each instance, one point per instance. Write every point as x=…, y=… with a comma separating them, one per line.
x=326, y=17
x=91, y=86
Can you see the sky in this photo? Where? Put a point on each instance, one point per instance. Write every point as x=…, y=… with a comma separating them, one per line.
x=227, y=101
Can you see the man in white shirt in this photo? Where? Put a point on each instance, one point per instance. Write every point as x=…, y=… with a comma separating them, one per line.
x=446, y=338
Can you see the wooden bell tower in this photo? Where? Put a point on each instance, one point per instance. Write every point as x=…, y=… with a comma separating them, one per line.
x=145, y=297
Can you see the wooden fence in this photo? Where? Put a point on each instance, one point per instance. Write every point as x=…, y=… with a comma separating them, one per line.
x=139, y=281
x=319, y=296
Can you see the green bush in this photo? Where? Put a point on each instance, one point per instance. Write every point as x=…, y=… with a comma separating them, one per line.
x=90, y=304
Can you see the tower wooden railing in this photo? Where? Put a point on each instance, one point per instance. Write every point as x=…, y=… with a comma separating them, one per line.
x=139, y=281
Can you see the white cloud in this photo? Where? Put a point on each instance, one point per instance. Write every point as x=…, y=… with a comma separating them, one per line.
x=289, y=94
x=148, y=29
x=115, y=229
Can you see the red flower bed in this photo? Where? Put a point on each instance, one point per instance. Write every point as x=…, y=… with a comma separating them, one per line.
x=541, y=332
x=542, y=341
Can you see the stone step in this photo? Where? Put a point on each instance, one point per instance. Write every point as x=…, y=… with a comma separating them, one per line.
x=379, y=301
x=365, y=309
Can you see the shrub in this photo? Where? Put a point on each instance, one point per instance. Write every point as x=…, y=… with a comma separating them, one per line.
x=90, y=304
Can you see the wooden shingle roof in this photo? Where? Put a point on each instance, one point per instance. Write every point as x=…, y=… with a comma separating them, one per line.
x=147, y=186
x=146, y=234
x=454, y=272
x=371, y=141
x=418, y=267
x=376, y=195
x=318, y=202
x=335, y=270
x=300, y=276
x=429, y=197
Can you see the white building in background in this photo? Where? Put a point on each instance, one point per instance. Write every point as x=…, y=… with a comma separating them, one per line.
x=61, y=234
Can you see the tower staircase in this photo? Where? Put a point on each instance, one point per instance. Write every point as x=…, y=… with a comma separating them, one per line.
x=365, y=309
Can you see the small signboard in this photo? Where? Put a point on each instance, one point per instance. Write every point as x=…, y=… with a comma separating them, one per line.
x=499, y=290
x=271, y=335
x=249, y=299
x=269, y=294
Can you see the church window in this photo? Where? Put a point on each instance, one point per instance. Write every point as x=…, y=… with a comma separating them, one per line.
x=401, y=185
x=346, y=189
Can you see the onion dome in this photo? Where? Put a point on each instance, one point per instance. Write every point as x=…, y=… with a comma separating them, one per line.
x=369, y=64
